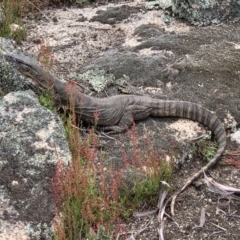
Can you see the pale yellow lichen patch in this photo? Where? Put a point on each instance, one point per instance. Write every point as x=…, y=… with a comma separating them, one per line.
x=149, y=51
x=235, y=137
x=3, y=134
x=10, y=98
x=185, y=129
x=15, y=27
x=11, y=230
x=14, y=183
x=44, y=135
x=237, y=46
x=171, y=158
x=40, y=145
x=169, y=85
x=150, y=90
x=230, y=120
x=25, y=111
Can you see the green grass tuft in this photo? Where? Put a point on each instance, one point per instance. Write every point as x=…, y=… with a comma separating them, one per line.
x=12, y=12
x=206, y=149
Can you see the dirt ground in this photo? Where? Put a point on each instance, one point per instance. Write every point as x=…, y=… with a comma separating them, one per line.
x=172, y=60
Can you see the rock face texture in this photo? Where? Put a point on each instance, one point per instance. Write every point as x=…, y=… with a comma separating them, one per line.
x=158, y=52
x=32, y=139
x=10, y=80
x=206, y=12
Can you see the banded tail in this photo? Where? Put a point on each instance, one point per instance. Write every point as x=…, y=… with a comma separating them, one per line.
x=200, y=114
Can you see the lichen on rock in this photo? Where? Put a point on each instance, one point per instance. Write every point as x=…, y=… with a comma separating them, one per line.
x=32, y=140
x=206, y=12
x=98, y=79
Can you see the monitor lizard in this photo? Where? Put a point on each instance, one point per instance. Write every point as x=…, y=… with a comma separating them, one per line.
x=117, y=113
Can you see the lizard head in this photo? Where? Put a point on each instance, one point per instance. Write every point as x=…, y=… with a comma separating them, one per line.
x=29, y=68
x=25, y=65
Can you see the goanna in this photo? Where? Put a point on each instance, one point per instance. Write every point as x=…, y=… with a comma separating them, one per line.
x=116, y=114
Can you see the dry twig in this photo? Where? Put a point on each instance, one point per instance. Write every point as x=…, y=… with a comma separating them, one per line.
x=134, y=234
x=203, y=217
x=223, y=229
x=40, y=11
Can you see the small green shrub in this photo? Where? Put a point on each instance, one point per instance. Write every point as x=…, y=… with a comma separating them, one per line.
x=46, y=100
x=206, y=149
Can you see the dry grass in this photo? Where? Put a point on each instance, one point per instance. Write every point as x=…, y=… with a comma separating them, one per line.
x=232, y=158
x=12, y=12
x=90, y=200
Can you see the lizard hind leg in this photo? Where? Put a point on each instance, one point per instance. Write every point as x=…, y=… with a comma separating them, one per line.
x=131, y=113
x=123, y=125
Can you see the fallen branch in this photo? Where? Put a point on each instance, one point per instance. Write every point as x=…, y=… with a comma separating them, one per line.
x=216, y=187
